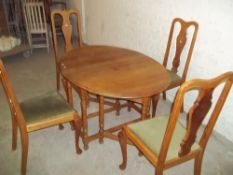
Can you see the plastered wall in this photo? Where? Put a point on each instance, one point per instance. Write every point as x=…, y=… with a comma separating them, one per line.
x=143, y=25
x=79, y=4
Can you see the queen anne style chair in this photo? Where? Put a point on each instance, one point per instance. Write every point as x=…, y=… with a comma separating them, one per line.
x=178, y=76
x=67, y=32
x=37, y=113
x=164, y=141
x=37, y=30
x=69, y=44
x=64, y=18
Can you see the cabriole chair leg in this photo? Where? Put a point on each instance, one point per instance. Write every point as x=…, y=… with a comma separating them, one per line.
x=77, y=129
x=123, y=143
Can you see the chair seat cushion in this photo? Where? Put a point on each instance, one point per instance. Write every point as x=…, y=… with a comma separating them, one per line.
x=174, y=77
x=151, y=133
x=46, y=106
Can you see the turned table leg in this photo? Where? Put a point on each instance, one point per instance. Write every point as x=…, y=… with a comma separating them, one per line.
x=84, y=118
x=101, y=119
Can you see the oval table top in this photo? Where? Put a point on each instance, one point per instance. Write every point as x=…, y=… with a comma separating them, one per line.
x=114, y=72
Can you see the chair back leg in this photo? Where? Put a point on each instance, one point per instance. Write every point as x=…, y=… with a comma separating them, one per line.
x=24, y=141
x=155, y=100
x=14, y=133
x=58, y=80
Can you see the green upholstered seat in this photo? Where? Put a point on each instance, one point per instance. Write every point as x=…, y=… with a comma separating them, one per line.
x=174, y=77
x=47, y=106
x=151, y=133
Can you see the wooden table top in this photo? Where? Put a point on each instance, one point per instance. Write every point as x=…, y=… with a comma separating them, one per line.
x=114, y=72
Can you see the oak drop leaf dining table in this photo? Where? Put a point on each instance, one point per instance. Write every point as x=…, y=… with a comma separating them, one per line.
x=108, y=71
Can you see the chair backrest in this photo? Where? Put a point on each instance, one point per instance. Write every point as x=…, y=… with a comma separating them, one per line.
x=16, y=112
x=52, y=5
x=198, y=111
x=67, y=30
x=180, y=44
x=35, y=18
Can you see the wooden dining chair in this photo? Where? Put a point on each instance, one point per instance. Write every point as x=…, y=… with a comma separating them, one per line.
x=68, y=36
x=178, y=76
x=164, y=141
x=36, y=23
x=70, y=44
x=37, y=113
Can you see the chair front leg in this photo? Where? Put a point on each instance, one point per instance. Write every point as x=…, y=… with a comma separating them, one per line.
x=77, y=130
x=159, y=171
x=198, y=164
x=123, y=143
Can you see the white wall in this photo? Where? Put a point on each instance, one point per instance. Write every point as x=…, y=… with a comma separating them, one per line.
x=144, y=26
x=79, y=4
